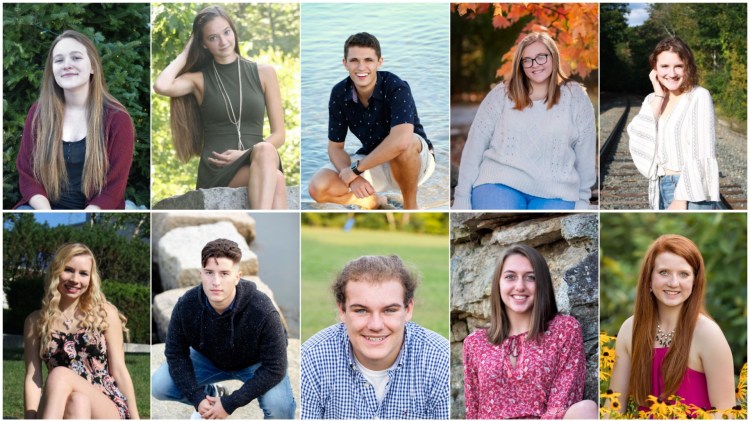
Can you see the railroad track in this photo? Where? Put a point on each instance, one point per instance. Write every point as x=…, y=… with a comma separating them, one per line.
x=623, y=187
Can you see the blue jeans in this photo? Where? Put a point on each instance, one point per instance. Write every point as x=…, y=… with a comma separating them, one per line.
x=667, y=186
x=277, y=403
x=502, y=197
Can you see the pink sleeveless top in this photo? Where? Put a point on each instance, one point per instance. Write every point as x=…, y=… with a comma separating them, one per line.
x=692, y=390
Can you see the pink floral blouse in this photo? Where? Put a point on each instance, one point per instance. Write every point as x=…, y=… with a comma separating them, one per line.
x=548, y=378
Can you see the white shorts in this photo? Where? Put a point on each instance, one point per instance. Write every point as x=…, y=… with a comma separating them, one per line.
x=381, y=177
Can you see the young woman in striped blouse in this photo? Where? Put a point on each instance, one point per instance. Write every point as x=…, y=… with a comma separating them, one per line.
x=673, y=138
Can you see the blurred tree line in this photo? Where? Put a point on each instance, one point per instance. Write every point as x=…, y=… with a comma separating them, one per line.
x=423, y=222
x=268, y=33
x=121, y=35
x=120, y=243
x=716, y=33
x=484, y=38
x=722, y=240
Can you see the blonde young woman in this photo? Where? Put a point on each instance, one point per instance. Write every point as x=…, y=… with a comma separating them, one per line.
x=217, y=108
x=78, y=334
x=77, y=144
x=532, y=144
x=673, y=137
x=670, y=346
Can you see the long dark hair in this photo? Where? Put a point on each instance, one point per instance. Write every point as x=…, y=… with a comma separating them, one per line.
x=185, y=117
x=545, y=306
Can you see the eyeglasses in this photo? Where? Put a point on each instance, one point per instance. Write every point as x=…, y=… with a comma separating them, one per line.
x=540, y=59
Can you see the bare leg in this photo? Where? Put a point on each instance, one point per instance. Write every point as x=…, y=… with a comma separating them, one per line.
x=583, y=410
x=260, y=176
x=405, y=169
x=78, y=407
x=327, y=187
x=279, y=197
x=62, y=382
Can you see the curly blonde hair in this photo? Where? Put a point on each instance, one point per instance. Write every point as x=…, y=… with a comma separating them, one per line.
x=91, y=303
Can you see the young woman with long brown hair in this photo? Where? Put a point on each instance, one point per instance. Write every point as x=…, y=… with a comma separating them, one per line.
x=673, y=137
x=217, y=109
x=77, y=144
x=532, y=144
x=670, y=346
x=78, y=334
x=530, y=363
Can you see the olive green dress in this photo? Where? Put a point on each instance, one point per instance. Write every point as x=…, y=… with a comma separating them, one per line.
x=219, y=134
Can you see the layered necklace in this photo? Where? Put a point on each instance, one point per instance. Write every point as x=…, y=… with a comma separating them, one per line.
x=664, y=338
x=235, y=120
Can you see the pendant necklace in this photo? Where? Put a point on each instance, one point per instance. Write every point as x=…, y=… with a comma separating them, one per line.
x=68, y=321
x=235, y=120
x=664, y=338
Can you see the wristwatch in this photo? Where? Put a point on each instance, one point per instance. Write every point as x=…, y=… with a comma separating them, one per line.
x=354, y=168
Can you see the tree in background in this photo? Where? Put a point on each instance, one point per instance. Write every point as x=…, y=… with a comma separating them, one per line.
x=120, y=243
x=574, y=26
x=268, y=33
x=722, y=240
x=121, y=34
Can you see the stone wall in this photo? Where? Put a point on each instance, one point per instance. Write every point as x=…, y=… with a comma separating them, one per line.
x=569, y=243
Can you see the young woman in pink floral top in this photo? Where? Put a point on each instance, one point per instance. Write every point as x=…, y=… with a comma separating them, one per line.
x=530, y=363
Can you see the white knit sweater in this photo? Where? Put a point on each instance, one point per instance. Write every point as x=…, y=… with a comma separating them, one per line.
x=548, y=153
x=686, y=140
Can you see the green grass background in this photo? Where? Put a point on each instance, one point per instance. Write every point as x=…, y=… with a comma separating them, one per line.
x=325, y=251
x=13, y=375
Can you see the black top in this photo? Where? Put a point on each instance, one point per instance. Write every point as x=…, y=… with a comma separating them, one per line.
x=390, y=104
x=249, y=333
x=72, y=196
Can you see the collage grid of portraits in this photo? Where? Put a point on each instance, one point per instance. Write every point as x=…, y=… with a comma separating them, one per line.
x=553, y=179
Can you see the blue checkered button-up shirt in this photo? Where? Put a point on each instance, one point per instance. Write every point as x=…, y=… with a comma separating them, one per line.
x=334, y=388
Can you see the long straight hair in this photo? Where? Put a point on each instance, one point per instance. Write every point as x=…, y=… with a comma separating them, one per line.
x=49, y=163
x=519, y=87
x=91, y=303
x=545, y=306
x=646, y=313
x=185, y=116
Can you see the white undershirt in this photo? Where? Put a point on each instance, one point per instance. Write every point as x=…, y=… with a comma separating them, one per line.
x=378, y=379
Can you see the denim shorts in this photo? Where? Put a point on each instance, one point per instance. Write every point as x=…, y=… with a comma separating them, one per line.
x=667, y=186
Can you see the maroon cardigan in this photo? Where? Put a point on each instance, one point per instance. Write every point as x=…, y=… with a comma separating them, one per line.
x=120, y=139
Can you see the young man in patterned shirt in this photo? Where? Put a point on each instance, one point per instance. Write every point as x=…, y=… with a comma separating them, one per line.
x=375, y=363
x=379, y=109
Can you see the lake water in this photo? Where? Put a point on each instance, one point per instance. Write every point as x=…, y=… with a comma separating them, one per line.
x=414, y=39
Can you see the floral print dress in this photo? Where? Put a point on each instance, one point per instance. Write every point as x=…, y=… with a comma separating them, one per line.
x=547, y=379
x=85, y=352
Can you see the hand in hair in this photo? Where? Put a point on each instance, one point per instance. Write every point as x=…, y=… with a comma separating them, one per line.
x=225, y=158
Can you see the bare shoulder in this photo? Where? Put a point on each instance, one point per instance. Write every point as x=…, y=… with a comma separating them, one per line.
x=707, y=331
x=625, y=335
x=266, y=72
x=112, y=312
x=32, y=319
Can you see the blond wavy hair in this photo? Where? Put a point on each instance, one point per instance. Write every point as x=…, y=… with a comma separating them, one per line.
x=91, y=303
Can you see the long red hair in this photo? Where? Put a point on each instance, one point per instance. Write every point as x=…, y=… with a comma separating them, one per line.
x=644, y=320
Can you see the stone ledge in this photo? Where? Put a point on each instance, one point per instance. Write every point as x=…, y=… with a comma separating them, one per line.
x=220, y=198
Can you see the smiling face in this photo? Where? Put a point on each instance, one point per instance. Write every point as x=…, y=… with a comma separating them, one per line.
x=219, y=39
x=75, y=278
x=538, y=74
x=362, y=63
x=71, y=65
x=672, y=279
x=219, y=279
x=670, y=71
x=518, y=285
x=375, y=316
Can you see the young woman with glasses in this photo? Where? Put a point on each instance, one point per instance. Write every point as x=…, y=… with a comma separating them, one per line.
x=532, y=144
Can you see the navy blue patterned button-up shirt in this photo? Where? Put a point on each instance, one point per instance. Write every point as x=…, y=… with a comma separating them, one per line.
x=391, y=104
x=334, y=388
